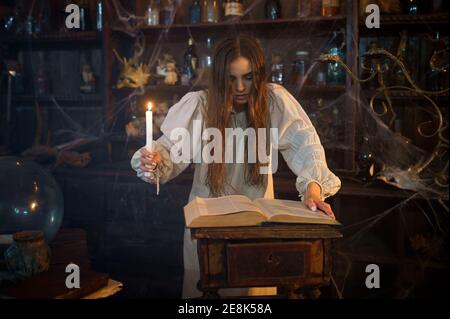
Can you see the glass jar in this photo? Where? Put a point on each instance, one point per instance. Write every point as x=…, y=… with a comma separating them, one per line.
x=153, y=13
x=277, y=70
x=300, y=67
x=330, y=7
x=210, y=11
x=335, y=72
x=234, y=8
x=28, y=255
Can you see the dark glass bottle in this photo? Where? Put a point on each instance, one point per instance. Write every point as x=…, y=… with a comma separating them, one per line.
x=167, y=13
x=300, y=67
x=413, y=7
x=438, y=63
x=195, y=12
x=272, y=9
x=320, y=75
x=206, y=60
x=190, y=63
x=99, y=15
x=365, y=161
x=84, y=16
x=43, y=17
x=335, y=72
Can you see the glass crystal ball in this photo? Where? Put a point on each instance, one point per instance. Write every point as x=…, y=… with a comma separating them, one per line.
x=30, y=198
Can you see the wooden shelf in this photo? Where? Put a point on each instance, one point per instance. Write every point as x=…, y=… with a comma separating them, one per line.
x=55, y=41
x=327, y=22
x=183, y=89
x=53, y=37
x=394, y=22
x=81, y=98
x=404, y=19
x=164, y=89
x=404, y=95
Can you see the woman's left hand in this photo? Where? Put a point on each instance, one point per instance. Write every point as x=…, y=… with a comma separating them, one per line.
x=313, y=201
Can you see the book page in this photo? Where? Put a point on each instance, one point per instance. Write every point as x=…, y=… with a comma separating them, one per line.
x=274, y=207
x=225, y=205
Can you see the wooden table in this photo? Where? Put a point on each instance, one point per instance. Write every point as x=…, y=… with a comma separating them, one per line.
x=295, y=258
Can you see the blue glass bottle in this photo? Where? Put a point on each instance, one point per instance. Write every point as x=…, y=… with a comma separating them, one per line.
x=272, y=9
x=195, y=12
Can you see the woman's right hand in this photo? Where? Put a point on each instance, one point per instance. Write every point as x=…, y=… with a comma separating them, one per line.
x=149, y=160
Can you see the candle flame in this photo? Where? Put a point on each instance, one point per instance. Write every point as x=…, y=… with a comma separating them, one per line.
x=33, y=205
x=150, y=106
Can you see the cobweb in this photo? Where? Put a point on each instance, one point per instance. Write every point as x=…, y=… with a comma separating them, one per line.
x=411, y=156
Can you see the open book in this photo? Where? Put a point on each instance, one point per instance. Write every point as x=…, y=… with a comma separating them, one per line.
x=238, y=210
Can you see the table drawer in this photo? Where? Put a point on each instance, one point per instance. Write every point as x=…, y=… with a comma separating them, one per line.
x=267, y=263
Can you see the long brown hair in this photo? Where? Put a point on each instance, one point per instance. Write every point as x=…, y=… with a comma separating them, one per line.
x=220, y=102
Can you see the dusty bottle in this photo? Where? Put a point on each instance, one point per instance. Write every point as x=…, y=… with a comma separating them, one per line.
x=234, y=8
x=330, y=7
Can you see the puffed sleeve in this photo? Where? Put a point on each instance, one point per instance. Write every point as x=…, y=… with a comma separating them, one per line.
x=181, y=115
x=299, y=143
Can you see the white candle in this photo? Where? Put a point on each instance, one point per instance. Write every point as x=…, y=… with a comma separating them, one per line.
x=149, y=127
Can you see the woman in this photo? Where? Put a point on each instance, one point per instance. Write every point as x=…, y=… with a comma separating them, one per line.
x=239, y=97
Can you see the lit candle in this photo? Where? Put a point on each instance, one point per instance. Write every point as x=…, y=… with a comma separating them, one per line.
x=149, y=127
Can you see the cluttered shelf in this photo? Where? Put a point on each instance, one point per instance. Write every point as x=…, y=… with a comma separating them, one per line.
x=53, y=38
x=28, y=98
x=183, y=89
x=406, y=19
x=412, y=22
x=331, y=22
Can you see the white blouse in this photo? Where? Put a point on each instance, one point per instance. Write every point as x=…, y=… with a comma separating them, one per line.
x=297, y=140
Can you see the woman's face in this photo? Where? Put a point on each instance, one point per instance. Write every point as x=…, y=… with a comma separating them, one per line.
x=241, y=78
